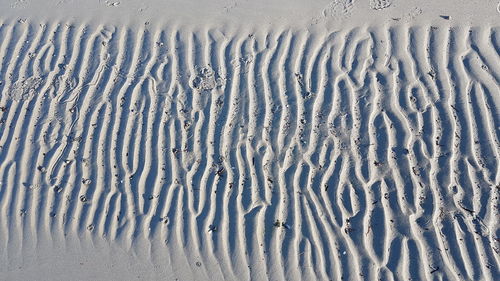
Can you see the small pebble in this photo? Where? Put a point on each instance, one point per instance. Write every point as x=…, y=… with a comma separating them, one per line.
x=57, y=189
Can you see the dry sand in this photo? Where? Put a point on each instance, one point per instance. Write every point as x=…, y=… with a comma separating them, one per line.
x=249, y=140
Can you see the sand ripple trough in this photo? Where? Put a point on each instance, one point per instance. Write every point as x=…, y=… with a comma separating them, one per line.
x=370, y=153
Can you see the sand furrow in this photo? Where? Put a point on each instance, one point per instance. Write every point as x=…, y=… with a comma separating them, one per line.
x=369, y=153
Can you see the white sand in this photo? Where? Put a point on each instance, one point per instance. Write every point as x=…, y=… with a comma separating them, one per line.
x=249, y=140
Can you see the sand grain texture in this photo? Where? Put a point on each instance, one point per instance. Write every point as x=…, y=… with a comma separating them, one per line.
x=270, y=153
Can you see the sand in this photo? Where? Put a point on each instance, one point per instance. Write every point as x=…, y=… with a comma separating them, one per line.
x=249, y=140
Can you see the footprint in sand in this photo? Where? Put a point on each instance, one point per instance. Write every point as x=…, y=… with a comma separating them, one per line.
x=206, y=79
x=339, y=9
x=380, y=4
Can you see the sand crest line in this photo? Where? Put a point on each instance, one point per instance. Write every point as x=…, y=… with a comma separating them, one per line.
x=254, y=154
